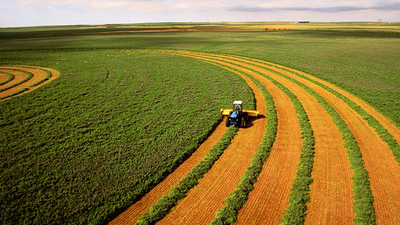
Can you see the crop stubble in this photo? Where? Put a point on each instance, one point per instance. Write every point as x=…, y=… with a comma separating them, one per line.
x=20, y=74
x=203, y=201
x=279, y=171
x=131, y=215
x=331, y=190
x=331, y=173
x=379, y=160
x=380, y=163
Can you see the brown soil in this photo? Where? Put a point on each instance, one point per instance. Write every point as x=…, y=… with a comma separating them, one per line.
x=379, y=160
x=386, y=123
x=331, y=190
x=330, y=162
x=204, y=200
x=131, y=215
x=38, y=75
x=332, y=185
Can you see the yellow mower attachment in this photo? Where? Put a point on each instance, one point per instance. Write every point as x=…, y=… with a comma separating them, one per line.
x=237, y=116
x=251, y=113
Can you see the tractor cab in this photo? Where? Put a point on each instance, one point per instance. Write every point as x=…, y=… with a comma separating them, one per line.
x=237, y=116
x=237, y=106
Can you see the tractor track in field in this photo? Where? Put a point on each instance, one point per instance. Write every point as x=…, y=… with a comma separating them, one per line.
x=25, y=79
x=331, y=193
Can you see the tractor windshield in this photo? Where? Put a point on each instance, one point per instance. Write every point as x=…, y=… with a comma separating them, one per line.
x=237, y=107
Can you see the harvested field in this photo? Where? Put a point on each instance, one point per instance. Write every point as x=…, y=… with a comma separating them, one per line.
x=207, y=197
x=25, y=79
x=143, y=205
x=332, y=191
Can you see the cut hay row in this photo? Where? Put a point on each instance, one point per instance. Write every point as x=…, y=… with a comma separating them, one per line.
x=109, y=134
x=322, y=124
x=205, y=199
x=386, y=129
x=20, y=77
x=24, y=79
x=289, y=127
x=363, y=213
x=379, y=159
x=164, y=204
x=333, y=114
x=143, y=205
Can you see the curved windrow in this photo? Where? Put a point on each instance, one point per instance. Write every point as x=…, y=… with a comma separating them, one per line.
x=353, y=171
x=22, y=79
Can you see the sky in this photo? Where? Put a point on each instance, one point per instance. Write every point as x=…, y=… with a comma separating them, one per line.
x=18, y=13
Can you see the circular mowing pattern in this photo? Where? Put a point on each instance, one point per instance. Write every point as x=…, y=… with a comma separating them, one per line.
x=336, y=180
x=18, y=80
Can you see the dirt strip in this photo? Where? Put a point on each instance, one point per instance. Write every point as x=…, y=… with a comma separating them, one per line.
x=331, y=173
x=379, y=160
x=268, y=201
x=386, y=123
x=204, y=200
x=131, y=215
x=331, y=190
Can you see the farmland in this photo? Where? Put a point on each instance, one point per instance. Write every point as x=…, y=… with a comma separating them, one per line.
x=132, y=114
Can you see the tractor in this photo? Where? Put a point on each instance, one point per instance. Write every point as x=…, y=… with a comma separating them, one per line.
x=237, y=116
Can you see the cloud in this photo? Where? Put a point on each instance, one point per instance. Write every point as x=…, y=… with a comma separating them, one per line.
x=46, y=12
x=382, y=6
x=132, y=5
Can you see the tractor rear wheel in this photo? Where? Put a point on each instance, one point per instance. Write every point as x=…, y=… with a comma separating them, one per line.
x=243, y=122
x=227, y=122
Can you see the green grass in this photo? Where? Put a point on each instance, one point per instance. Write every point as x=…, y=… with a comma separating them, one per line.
x=363, y=204
x=10, y=78
x=88, y=144
x=166, y=203
x=91, y=142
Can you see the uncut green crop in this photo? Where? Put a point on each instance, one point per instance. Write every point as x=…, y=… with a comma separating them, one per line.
x=88, y=144
x=88, y=117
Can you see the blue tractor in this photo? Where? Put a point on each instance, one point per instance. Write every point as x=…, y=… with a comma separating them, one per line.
x=237, y=116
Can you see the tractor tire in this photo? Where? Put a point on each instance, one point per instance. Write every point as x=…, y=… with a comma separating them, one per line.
x=227, y=123
x=243, y=122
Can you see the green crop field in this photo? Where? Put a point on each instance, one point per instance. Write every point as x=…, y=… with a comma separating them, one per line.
x=120, y=117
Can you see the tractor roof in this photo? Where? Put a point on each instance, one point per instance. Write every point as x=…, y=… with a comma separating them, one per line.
x=238, y=102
